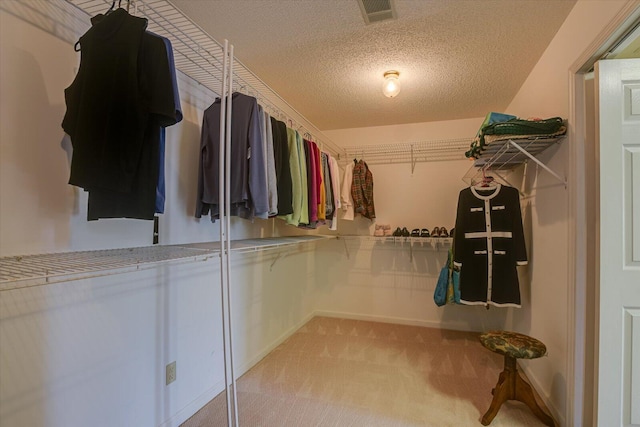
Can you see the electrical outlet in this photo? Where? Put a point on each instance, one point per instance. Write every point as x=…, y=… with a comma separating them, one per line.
x=171, y=372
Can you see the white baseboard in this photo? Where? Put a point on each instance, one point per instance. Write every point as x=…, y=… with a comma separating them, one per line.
x=188, y=411
x=269, y=348
x=198, y=403
x=544, y=395
x=395, y=320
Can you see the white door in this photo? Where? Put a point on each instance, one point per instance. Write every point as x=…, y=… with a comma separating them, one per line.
x=618, y=100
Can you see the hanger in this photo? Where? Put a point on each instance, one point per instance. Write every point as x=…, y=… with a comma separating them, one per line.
x=488, y=181
x=120, y=3
x=76, y=46
x=113, y=5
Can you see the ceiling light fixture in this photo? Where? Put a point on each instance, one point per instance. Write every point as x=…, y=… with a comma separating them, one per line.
x=391, y=86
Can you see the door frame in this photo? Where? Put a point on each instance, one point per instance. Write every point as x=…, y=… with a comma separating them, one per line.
x=577, y=320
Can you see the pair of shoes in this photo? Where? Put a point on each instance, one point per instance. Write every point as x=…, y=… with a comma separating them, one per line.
x=382, y=230
x=416, y=232
x=401, y=232
x=439, y=232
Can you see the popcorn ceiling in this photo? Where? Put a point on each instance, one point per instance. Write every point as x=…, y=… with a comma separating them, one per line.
x=457, y=58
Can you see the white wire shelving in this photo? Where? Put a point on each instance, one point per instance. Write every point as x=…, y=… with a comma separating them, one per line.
x=512, y=152
x=509, y=153
x=199, y=56
x=436, y=244
x=23, y=271
x=398, y=239
x=410, y=152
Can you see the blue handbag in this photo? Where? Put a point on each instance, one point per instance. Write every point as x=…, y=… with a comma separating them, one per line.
x=448, y=285
x=440, y=294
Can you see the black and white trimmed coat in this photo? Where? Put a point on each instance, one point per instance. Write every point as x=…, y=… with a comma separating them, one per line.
x=488, y=245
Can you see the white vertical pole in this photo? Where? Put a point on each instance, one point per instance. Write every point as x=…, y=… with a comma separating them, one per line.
x=221, y=216
x=228, y=226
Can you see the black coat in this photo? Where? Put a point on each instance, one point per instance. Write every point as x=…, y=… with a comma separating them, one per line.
x=489, y=244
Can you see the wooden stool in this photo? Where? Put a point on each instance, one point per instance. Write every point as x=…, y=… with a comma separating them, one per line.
x=511, y=385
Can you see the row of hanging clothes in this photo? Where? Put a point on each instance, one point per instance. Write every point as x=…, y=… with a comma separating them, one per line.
x=118, y=106
x=274, y=171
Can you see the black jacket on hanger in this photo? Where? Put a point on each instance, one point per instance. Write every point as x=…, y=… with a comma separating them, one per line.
x=116, y=137
x=106, y=118
x=489, y=244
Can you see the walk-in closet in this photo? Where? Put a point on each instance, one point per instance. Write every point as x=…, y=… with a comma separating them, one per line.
x=213, y=214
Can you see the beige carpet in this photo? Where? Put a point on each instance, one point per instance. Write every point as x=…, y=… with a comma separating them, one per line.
x=337, y=372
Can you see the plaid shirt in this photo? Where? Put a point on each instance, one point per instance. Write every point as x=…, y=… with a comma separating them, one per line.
x=362, y=190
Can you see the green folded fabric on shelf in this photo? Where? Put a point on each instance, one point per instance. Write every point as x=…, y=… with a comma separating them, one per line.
x=515, y=126
x=524, y=127
x=478, y=141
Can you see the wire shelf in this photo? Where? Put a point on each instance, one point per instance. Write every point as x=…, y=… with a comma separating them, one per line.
x=199, y=56
x=411, y=152
x=36, y=270
x=254, y=245
x=446, y=241
x=261, y=244
x=505, y=155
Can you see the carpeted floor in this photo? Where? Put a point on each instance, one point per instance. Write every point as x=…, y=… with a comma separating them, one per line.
x=338, y=372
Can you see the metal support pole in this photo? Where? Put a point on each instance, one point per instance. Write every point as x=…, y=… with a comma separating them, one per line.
x=222, y=225
x=228, y=236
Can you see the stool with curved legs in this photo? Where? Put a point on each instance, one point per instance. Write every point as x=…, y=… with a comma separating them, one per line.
x=511, y=385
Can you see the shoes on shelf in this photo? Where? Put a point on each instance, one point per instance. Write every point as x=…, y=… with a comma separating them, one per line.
x=451, y=232
x=435, y=232
x=379, y=232
x=398, y=232
x=425, y=232
x=443, y=232
x=386, y=228
x=405, y=232
x=415, y=232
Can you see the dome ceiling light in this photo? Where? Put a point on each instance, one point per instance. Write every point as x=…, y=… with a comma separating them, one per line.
x=391, y=87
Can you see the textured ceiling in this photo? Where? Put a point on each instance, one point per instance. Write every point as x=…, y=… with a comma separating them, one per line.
x=457, y=58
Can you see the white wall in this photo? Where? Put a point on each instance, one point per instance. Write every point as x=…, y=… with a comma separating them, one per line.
x=395, y=282
x=93, y=352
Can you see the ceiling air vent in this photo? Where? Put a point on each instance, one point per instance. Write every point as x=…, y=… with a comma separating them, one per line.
x=377, y=10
